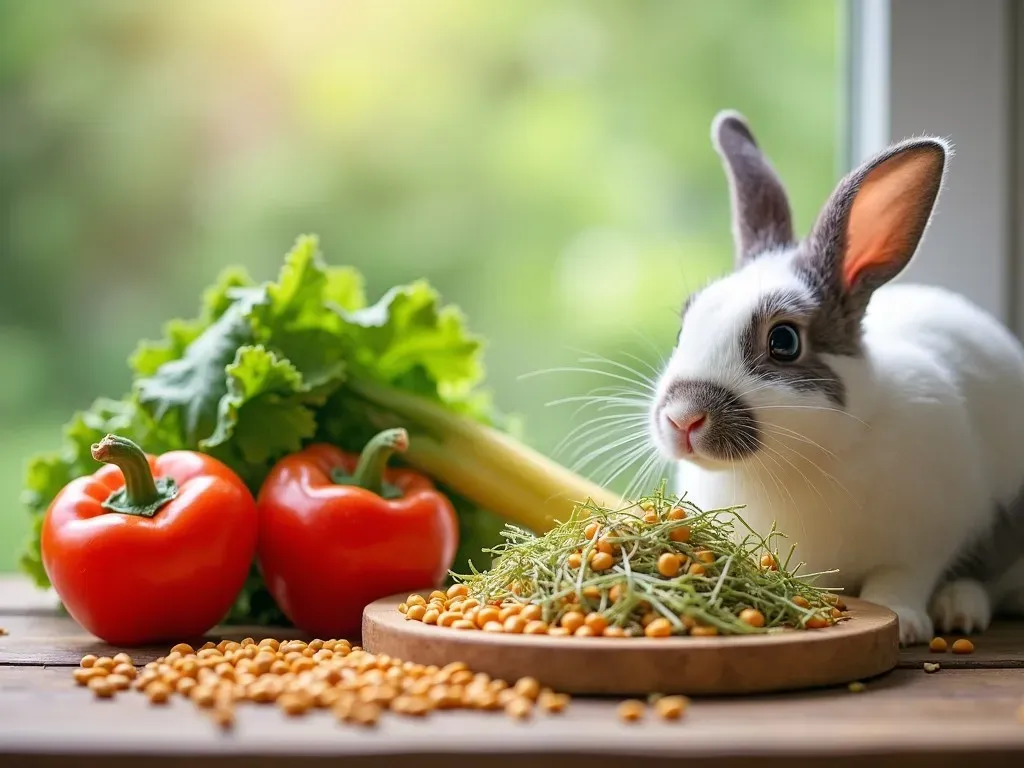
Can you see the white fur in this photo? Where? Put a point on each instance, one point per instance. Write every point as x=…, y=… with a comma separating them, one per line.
x=889, y=489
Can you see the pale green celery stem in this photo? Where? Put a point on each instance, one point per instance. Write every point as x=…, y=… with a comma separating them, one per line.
x=488, y=467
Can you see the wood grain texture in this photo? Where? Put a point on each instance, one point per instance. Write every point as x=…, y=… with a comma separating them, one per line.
x=49, y=639
x=905, y=718
x=1000, y=647
x=19, y=596
x=907, y=714
x=864, y=646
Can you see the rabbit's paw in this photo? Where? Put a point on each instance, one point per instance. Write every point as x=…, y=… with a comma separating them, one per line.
x=962, y=605
x=915, y=625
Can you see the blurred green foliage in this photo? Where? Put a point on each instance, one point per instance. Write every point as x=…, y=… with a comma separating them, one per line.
x=545, y=164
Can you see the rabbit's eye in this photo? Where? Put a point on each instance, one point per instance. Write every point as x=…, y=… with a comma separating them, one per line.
x=784, y=343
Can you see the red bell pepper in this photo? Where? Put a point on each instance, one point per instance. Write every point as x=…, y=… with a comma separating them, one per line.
x=150, y=549
x=340, y=530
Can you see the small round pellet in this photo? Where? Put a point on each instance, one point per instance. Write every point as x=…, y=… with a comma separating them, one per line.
x=962, y=645
x=671, y=707
x=631, y=710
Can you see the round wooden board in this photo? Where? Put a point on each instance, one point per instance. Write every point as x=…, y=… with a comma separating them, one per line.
x=865, y=645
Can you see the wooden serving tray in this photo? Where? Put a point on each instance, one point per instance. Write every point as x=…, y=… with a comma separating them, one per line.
x=865, y=645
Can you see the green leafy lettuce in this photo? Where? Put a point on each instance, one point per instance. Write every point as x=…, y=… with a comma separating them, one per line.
x=262, y=371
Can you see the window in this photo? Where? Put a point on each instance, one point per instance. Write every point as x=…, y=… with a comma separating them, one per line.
x=547, y=165
x=950, y=68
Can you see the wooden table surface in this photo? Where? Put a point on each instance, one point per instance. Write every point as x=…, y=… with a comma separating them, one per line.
x=969, y=710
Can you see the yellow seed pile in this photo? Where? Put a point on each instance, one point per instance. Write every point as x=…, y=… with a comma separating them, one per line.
x=456, y=610
x=355, y=685
x=611, y=573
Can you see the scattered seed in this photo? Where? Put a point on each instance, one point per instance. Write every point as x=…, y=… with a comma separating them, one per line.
x=553, y=702
x=602, y=561
x=671, y=707
x=931, y=667
x=84, y=675
x=658, y=628
x=159, y=692
x=486, y=615
x=101, y=687
x=703, y=631
x=606, y=545
x=416, y=612
x=572, y=620
x=680, y=535
x=532, y=612
x=752, y=616
x=224, y=717
x=596, y=623
x=514, y=625
x=536, y=628
x=631, y=710
x=669, y=564
x=963, y=645
x=329, y=674
x=857, y=687
x=519, y=708
x=119, y=682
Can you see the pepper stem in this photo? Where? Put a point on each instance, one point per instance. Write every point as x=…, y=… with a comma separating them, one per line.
x=142, y=494
x=369, y=471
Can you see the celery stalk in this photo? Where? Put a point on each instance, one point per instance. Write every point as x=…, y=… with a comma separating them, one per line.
x=488, y=467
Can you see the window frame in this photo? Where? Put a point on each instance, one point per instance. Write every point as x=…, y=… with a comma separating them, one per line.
x=954, y=69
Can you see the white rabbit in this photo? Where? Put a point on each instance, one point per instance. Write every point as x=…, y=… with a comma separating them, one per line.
x=881, y=426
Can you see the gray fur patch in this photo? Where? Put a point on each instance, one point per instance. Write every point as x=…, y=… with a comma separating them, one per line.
x=731, y=431
x=995, y=551
x=820, y=258
x=761, y=216
x=809, y=372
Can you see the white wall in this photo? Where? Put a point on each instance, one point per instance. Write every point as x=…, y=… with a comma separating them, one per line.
x=951, y=72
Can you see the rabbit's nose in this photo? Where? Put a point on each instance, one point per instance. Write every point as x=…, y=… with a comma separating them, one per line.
x=688, y=423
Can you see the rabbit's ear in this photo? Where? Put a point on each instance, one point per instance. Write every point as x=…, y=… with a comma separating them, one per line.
x=871, y=226
x=761, y=217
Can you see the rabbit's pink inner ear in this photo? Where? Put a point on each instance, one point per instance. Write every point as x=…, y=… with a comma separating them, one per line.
x=889, y=214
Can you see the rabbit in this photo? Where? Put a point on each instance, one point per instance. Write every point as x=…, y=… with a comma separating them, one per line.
x=879, y=424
